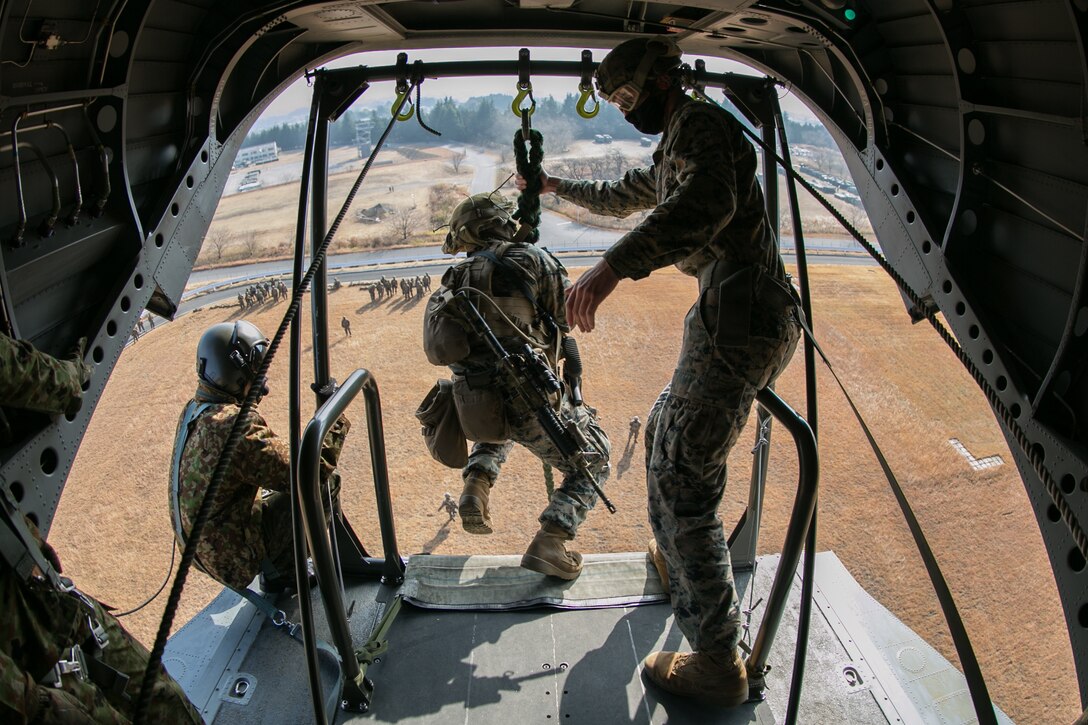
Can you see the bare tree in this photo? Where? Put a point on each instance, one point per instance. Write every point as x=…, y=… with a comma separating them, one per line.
x=457, y=159
x=569, y=168
x=405, y=221
x=251, y=245
x=615, y=164
x=598, y=167
x=217, y=241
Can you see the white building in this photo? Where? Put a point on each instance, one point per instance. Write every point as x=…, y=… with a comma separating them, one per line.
x=261, y=154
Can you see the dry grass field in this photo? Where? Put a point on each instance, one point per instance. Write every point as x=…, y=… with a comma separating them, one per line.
x=113, y=531
x=403, y=179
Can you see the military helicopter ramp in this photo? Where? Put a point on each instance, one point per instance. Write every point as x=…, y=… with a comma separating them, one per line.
x=484, y=641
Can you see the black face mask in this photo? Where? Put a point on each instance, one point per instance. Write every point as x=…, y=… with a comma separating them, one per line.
x=649, y=118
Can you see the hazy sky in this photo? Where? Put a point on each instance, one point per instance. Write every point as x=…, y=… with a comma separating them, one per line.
x=298, y=94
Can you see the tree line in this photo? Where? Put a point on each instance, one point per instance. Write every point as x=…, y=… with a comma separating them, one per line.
x=488, y=121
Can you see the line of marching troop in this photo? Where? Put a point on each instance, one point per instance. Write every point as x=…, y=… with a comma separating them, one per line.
x=410, y=288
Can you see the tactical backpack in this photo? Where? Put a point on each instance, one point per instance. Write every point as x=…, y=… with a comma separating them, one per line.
x=445, y=338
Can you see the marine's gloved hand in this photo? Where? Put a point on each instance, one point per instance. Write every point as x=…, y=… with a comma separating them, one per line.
x=83, y=374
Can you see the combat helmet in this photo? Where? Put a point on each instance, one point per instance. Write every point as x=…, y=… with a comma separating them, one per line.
x=477, y=221
x=229, y=356
x=622, y=75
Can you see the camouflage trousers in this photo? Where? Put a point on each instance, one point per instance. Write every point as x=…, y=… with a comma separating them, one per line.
x=40, y=624
x=569, y=504
x=689, y=433
x=267, y=545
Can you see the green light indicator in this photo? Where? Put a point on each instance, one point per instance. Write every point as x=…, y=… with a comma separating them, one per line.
x=851, y=14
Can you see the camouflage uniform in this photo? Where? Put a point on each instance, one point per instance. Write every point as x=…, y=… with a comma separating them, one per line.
x=709, y=220
x=244, y=531
x=33, y=380
x=547, y=281
x=40, y=623
x=39, y=626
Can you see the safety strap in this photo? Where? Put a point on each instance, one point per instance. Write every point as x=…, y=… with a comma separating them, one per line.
x=18, y=546
x=193, y=410
x=976, y=684
x=378, y=644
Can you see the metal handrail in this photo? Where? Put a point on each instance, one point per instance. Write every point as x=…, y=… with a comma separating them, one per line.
x=803, y=506
x=315, y=524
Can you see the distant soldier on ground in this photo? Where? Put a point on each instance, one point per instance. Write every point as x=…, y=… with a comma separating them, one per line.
x=373, y=292
x=519, y=290
x=633, y=429
x=449, y=505
x=246, y=533
x=241, y=301
x=346, y=324
x=48, y=625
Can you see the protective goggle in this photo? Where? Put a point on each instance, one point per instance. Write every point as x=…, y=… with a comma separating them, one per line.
x=246, y=359
x=625, y=98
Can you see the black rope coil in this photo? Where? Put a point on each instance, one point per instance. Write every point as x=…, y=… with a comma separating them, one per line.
x=529, y=164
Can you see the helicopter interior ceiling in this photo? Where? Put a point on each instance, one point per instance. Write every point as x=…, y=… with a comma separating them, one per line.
x=962, y=122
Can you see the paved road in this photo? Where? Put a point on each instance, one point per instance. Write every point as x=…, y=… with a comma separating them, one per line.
x=576, y=244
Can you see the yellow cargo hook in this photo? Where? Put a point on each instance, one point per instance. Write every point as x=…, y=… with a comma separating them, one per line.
x=523, y=91
x=587, y=94
x=404, y=115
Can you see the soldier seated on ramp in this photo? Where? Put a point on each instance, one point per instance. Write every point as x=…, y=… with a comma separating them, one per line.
x=63, y=657
x=519, y=290
x=247, y=533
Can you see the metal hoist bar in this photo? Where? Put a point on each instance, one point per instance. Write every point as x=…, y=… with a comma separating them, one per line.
x=803, y=506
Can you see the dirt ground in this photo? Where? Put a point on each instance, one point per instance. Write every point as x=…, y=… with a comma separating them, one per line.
x=114, y=536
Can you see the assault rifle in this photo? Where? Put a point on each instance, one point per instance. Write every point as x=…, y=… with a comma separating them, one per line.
x=534, y=383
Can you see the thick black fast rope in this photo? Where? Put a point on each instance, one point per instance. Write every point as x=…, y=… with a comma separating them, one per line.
x=529, y=164
x=1033, y=454
x=234, y=438
x=419, y=113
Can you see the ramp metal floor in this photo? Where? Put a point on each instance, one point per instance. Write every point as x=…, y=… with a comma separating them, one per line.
x=548, y=665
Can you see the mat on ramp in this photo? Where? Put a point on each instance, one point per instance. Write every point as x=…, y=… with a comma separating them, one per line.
x=499, y=582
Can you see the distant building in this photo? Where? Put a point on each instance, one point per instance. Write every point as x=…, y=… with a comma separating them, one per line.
x=362, y=137
x=374, y=214
x=261, y=154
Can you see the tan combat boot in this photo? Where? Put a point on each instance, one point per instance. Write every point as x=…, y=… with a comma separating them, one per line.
x=548, y=554
x=722, y=682
x=472, y=506
x=659, y=563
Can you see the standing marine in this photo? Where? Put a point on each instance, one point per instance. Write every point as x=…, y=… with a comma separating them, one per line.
x=709, y=220
x=519, y=290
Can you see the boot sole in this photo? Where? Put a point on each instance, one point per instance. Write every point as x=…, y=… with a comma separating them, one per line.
x=472, y=517
x=533, y=563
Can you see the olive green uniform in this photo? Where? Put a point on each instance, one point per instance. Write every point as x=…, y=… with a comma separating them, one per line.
x=40, y=623
x=244, y=530
x=709, y=220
